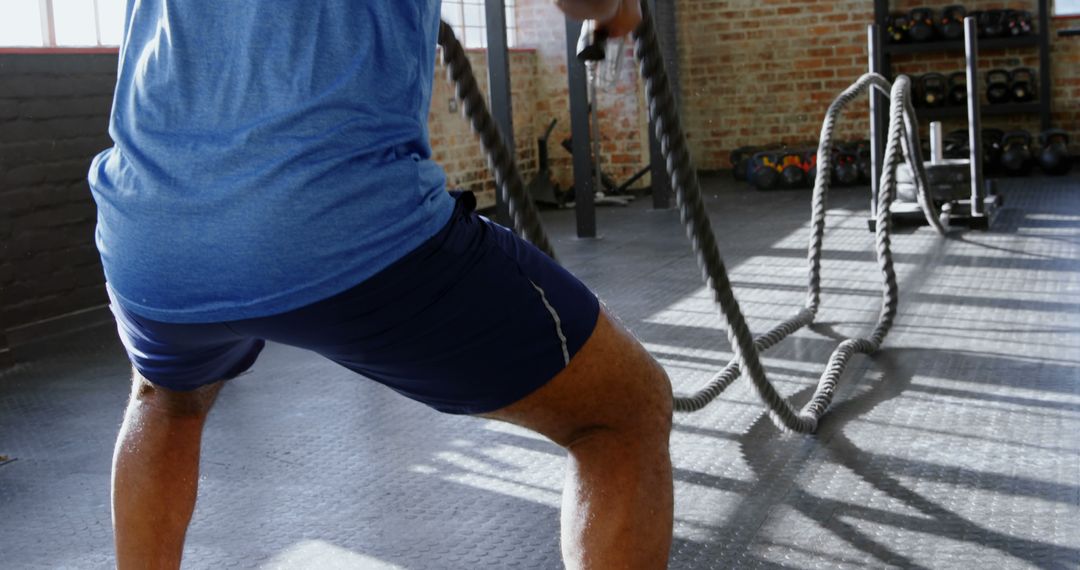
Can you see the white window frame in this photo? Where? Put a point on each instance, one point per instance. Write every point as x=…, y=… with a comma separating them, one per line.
x=48, y=26
x=467, y=34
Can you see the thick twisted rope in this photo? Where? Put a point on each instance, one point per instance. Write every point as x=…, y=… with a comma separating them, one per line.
x=508, y=179
x=684, y=180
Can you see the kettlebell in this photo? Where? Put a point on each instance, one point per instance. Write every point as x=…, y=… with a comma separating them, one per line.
x=958, y=88
x=922, y=24
x=933, y=87
x=992, y=150
x=1022, y=88
x=1016, y=153
x=998, y=86
x=792, y=173
x=897, y=27
x=1054, y=158
x=1017, y=22
x=956, y=145
x=951, y=24
x=740, y=161
x=991, y=23
x=845, y=169
x=862, y=159
x=765, y=170
x=809, y=161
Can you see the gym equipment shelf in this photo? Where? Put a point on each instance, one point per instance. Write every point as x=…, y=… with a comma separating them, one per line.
x=938, y=113
x=958, y=45
x=1040, y=38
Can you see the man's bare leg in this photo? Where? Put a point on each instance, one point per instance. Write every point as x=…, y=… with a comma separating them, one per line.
x=611, y=409
x=156, y=473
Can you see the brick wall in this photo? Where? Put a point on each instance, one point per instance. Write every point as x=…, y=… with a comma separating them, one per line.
x=623, y=122
x=762, y=71
x=53, y=119
x=455, y=146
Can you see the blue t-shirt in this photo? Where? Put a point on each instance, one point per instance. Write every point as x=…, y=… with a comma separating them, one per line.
x=266, y=155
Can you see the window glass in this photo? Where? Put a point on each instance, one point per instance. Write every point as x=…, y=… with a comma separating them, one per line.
x=21, y=23
x=75, y=21
x=1067, y=7
x=111, y=21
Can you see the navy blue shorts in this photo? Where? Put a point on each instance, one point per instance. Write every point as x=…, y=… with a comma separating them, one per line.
x=469, y=322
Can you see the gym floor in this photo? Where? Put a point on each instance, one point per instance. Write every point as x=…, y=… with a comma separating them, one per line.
x=956, y=446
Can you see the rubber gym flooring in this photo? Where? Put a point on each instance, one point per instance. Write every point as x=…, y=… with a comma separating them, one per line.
x=956, y=446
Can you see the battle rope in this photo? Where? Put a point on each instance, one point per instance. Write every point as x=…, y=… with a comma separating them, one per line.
x=902, y=136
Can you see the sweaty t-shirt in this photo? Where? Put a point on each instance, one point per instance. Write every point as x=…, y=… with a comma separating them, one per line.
x=266, y=155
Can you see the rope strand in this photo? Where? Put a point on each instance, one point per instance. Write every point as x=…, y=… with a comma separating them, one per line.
x=902, y=141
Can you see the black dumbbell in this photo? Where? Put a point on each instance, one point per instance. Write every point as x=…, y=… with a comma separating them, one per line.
x=1017, y=22
x=991, y=23
x=845, y=165
x=922, y=24
x=1016, y=153
x=897, y=27
x=740, y=161
x=933, y=88
x=951, y=24
x=764, y=173
x=1022, y=87
x=958, y=88
x=1054, y=158
x=998, y=86
x=992, y=150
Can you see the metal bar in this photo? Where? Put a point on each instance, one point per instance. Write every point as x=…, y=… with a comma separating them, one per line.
x=1046, y=92
x=664, y=17
x=937, y=143
x=97, y=22
x=585, y=209
x=878, y=128
x=971, y=57
x=48, y=26
x=498, y=60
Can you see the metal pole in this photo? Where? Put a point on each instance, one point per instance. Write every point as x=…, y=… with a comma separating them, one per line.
x=498, y=60
x=1045, y=89
x=971, y=56
x=937, y=143
x=579, y=132
x=877, y=122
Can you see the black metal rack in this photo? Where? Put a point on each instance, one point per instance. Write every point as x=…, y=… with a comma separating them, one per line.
x=1040, y=39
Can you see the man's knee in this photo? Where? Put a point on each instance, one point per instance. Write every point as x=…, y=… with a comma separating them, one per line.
x=641, y=411
x=192, y=403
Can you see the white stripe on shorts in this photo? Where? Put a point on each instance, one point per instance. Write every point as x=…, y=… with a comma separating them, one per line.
x=558, y=323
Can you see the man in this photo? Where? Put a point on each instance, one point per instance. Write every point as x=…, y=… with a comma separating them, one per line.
x=271, y=179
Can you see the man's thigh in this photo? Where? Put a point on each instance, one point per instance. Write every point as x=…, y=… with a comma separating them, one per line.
x=612, y=383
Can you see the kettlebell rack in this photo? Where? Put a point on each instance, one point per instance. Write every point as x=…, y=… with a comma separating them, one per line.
x=1040, y=38
x=977, y=209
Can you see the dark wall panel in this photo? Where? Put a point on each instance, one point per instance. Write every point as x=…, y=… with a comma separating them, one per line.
x=54, y=111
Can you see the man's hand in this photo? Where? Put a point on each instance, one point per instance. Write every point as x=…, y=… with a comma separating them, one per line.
x=616, y=17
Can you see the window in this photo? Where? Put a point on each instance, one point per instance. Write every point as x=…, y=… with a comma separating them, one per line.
x=1067, y=7
x=62, y=23
x=467, y=17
